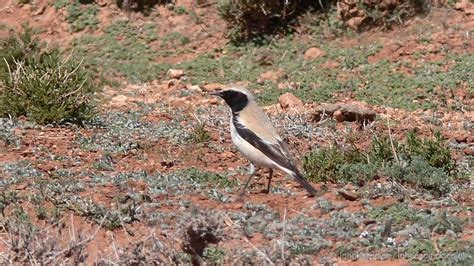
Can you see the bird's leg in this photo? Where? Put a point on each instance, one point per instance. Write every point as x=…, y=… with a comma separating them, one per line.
x=251, y=175
x=270, y=175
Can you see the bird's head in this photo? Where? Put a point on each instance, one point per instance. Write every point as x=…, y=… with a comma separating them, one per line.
x=236, y=97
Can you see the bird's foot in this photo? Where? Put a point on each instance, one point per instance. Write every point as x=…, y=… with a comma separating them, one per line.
x=241, y=197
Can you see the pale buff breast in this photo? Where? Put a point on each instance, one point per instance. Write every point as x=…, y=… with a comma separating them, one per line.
x=250, y=152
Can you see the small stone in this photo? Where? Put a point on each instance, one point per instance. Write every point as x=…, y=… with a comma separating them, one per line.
x=469, y=11
x=102, y=3
x=26, y=7
x=167, y=164
x=169, y=83
x=345, y=112
x=272, y=75
x=215, y=137
x=450, y=234
x=47, y=167
x=470, y=139
x=170, y=6
x=212, y=87
x=151, y=100
x=369, y=221
x=348, y=195
x=313, y=53
x=137, y=185
x=18, y=131
x=460, y=138
x=39, y=11
x=353, y=11
x=213, y=101
x=175, y=73
x=119, y=100
x=22, y=186
x=355, y=22
x=288, y=85
x=195, y=88
x=462, y=5
x=288, y=100
x=342, y=8
x=339, y=116
x=469, y=151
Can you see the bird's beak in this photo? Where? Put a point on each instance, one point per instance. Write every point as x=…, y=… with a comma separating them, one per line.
x=216, y=93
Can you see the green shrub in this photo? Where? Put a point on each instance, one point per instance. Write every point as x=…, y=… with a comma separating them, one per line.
x=49, y=90
x=180, y=10
x=130, y=57
x=252, y=20
x=249, y=19
x=144, y=6
x=214, y=254
x=420, y=249
x=18, y=47
x=425, y=163
x=418, y=172
x=79, y=14
x=200, y=134
x=380, y=12
x=380, y=150
x=81, y=17
x=174, y=39
x=400, y=213
x=322, y=165
x=42, y=85
x=325, y=164
x=58, y=4
x=358, y=173
x=434, y=151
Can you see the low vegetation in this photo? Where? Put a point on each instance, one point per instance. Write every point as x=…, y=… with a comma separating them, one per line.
x=144, y=6
x=79, y=16
x=153, y=178
x=345, y=71
x=123, y=50
x=42, y=84
x=376, y=83
x=252, y=20
x=425, y=163
x=18, y=48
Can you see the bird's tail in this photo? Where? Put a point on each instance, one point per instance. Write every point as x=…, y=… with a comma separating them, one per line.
x=304, y=183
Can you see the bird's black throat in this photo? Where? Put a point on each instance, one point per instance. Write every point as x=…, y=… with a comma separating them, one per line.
x=235, y=99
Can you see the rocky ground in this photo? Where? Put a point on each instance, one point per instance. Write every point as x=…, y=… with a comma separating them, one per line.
x=155, y=177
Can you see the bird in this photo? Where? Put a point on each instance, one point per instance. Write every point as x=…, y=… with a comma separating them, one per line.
x=257, y=139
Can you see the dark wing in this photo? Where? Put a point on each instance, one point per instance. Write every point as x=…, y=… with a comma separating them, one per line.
x=274, y=151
